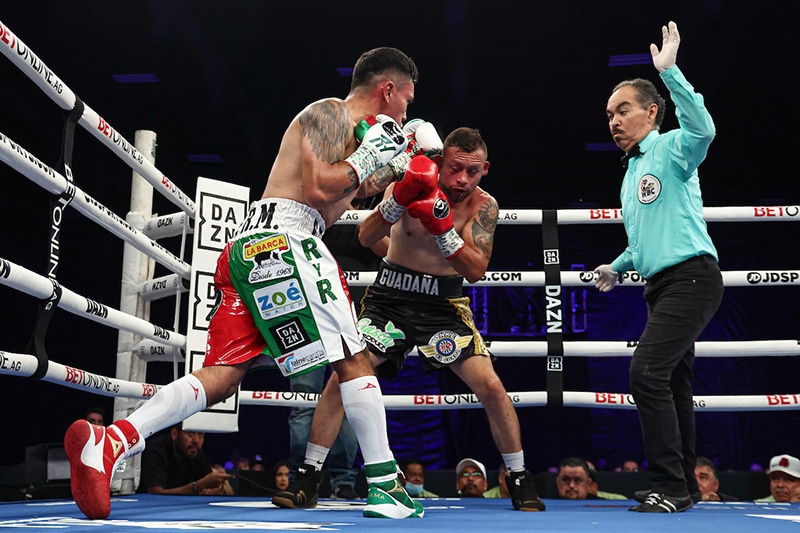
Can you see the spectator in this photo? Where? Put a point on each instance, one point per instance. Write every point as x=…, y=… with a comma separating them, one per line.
x=595, y=490
x=280, y=474
x=471, y=478
x=501, y=490
x=258, y=466
x=95, y=415
x=414, y=479
x=242, y=463
x=174, y=463
x=629, y=465
x=784, y=480
x=573, y=479
x=708, y=480
x=226, y=488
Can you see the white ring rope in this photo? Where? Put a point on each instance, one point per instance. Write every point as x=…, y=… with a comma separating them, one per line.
x=158, y=288
x=34, y=68
x=24, y=280
x=24, y=365
x=790, y=213
x=407, y=402
x=766, y=348
x=164, y=226
x=29, y=166
x=586, y=278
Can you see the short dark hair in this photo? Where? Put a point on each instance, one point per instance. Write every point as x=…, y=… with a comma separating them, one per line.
x=576, y=462
x=96, y=409
x=646, y=94
x=467, y=140
x=379, y=61
x=404, y=464
x=705, y=461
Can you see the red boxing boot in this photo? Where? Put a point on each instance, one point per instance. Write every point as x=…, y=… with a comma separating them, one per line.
x=94, y=453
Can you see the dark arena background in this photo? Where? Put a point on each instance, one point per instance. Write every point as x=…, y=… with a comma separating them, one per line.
x=219, y=81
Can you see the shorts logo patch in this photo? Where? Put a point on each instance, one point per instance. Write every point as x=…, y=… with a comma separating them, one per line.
x=267, y=257
x=649, y=189
x=445, y=346
x=290, y=335
x=301, y=359
x=382, y=340
x=279, y=299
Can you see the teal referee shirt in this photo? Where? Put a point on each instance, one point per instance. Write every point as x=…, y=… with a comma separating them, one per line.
x=662, y=207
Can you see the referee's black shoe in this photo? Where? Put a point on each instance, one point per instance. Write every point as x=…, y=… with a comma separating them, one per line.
x=641, y=495
x=661, y=503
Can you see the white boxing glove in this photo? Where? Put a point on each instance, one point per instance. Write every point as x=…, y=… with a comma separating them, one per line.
x=670, y=41
x=381, y=143
x=423, y=139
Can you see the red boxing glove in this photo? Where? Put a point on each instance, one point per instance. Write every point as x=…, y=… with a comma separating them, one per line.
x=433, y=212
x=421, y=179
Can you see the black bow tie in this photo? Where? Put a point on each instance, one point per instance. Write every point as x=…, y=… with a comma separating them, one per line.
x=632, y=153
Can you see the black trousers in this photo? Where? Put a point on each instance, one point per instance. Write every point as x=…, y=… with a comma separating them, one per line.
x=681, y=300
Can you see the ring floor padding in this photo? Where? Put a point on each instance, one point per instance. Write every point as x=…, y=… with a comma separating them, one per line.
x=194, y=513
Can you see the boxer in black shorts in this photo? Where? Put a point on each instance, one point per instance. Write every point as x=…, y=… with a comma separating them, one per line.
x=440, y=225
x=405, y=308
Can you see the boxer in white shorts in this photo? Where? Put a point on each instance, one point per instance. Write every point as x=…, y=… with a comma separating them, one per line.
x=320, y=167
x=298, y=301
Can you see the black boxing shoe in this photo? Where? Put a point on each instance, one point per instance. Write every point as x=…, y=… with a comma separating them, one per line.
x=303, y=492
x=523, y=493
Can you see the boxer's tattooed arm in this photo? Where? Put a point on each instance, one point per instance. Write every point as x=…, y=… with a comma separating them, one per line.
x=377, y=182
x=353, y=181
x=483, y=227
x=327, y=126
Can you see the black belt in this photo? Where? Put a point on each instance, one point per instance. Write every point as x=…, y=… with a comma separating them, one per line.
x=655, y=278
x=404, y=279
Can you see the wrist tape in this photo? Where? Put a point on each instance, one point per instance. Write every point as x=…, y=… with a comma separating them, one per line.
x=390, y=210
x=449, y=242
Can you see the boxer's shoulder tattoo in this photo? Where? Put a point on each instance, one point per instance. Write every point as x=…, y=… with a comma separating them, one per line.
x=488, y=214
x=484, y=225
x=327, y=126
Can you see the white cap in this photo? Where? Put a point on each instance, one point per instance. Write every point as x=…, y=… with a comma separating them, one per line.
x=463, y=463
x=785, y=463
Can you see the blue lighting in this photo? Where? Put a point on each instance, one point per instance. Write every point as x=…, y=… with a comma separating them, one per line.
x=345, y=71
x=630, y=59
x=601, y=147
x=136, y=78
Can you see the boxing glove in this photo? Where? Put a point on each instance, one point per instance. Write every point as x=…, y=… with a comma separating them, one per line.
x=423, y=139
x=433, y=211
x=381, y=143
x=420, y=179
x=361, y=128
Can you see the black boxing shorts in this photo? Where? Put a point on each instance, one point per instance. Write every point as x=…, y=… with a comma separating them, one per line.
x=404, y=308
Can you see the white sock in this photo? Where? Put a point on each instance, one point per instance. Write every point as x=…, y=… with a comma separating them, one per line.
x=363, y=405
x=171, y=404
x=316, y=455
x=515, y=462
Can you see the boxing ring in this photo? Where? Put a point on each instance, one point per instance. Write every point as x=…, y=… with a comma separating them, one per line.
x=142, y=342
